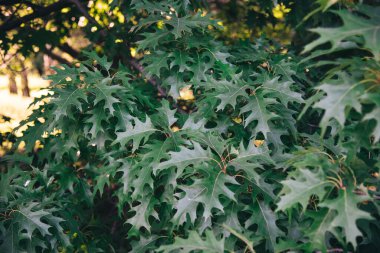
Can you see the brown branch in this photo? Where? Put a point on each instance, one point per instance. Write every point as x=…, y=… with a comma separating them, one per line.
x=14, y=2
x=87, y=15
x=38, y=13
x=137, y=66
x=12, y=16
x=56, y=57
x=69, y=50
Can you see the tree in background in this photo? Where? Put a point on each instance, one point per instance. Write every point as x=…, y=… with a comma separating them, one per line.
x=14, y=64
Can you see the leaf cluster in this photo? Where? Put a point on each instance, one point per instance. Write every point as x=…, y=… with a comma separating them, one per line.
x=269, y=157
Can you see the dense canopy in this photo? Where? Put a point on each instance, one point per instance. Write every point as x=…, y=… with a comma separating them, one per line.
x=195, y=126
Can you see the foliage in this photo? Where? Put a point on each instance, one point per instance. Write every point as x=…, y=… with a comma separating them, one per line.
x=275, y=152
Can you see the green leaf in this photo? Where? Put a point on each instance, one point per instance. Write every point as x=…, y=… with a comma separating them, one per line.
x=195, y=243
x=5, y=181
x=353, y=25
x=104, y=174
x=142, y=213
x=186, y=24
x=186, y=205
x=152, y=40
x=145, y=244
x=375, y=113
x=67, y=98
x=342, y=94
x=300, y=186
x=258, y=111
x=180, y=59
x=154, y=63
x=104, y=91
x=250, y=158
x=281, y=90
x=31, y=220
x=184, y=158
x=97, y=117
x=231, y=94
x=102, y=61
x=317, y=232
x=347, y=211
x=62, y=73
x=265, y=219
x=138, y=132
x=27, y=220
x=166, y=116
x=208, y=188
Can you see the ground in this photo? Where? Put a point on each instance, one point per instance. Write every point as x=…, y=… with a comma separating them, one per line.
x=16, y=106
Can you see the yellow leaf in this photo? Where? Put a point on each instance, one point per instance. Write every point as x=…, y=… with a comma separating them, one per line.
x=258, y=143
x=133, y=20
x=133, y=51
x=186, y=93
x=65, y=10
x=280, y=10
x=82, y=22
x=237, y=120
x=160, y=24
x=175, y=128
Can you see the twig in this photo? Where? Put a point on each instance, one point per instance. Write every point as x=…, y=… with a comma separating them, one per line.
x=86, y=14
x=37, y=13
x=69, y=50
x=58, y=58
x=241, y=237
x=137, y=66
x=14, y=2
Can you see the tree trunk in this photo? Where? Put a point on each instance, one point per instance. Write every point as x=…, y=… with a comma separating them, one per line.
x=12, y=83
x=25, y=83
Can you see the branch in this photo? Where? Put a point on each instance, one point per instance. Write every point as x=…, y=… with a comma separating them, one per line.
x=14, y=2
x=136, y=65
x=13, y=14
x=69, y=50
x=87, y=15
x=56, y=57
x=38, y=13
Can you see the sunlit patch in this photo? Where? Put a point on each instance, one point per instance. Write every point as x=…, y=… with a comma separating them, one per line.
x=133, y=51
x=175, y=128
x=280, y=10
x=160, y=24
x=186, y=93
x=133, y=20
x=237, y=120
x=65, y=10
x=258, y=143
x=82, y=22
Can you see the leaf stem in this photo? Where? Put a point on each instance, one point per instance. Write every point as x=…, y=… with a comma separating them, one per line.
x=241, y=237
